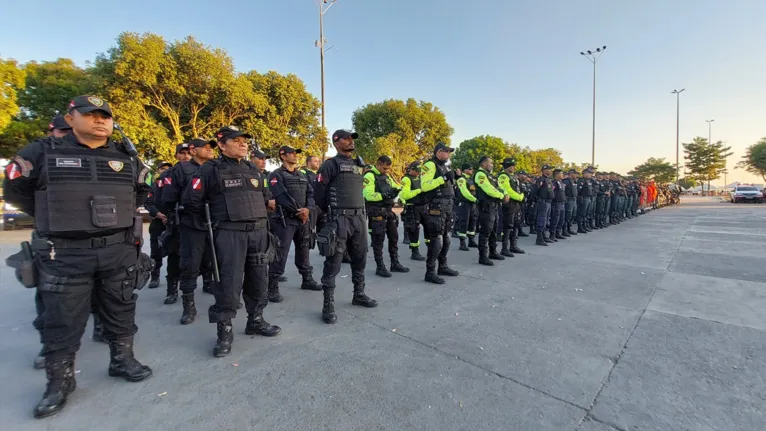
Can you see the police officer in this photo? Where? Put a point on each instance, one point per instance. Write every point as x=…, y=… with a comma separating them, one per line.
x=311, y=168
x=437, y=181
x=379, y=193
x=531, y=204
x=259, y=160
x=196, y=251
x=603, y=189
x=510, y=186
x=594, y=189
x=489, y=198
x=557, y=206
x=584, y=193
x=413, y=214
x=83, y=191
x=525, y=189
x=467, y=213
x=339, y=195
x=294, y=196
x=156, y=227
x=237, y=197
x=543, y=192
x=570, y=208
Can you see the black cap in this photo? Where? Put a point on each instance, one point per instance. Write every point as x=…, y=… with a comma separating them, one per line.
x=413, y=166
x=165, y=164
x=58, y=122
x=199, y=143
x=343, y=134
x=509, y=161
x=441, y=146
x=230, y=132
x=85, y=104
x=556, y=171
x=258, y=154
x=286, y=150
x=181, y=147
x=587, y=171
x=573, y=171
x=466, y=166
x=546, y=167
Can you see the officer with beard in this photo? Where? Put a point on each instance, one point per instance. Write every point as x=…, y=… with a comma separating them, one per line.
x=236, y=193
x=437, y=181
x=467, y=213
x=339, y=195
x=294, y=196
x=196, y=253
x=543, y=192
x=413, y=214
x=490, y=198
x=83, y=191
x=584, y=193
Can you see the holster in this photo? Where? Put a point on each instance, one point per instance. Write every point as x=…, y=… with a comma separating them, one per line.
x=327, y=238
x=144, y=267
x=25, y=267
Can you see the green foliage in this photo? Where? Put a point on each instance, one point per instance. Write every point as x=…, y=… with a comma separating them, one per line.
x=50, y=86
x=405, y=131
x=471, y=150
x=579, y=167
x=655, y=169
x=754, y=160
x=704, y=160
x=19, y=133
x=11, y=79
x=688, y=182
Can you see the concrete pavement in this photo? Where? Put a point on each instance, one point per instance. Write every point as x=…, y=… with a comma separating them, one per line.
x=655, y=324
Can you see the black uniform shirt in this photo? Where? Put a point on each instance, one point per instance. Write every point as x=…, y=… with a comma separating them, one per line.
x=282, y=196
x=327, y=172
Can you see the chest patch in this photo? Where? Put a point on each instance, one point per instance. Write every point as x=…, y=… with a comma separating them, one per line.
x=255, y=182
x=116, y=166
x=68, y=163
x=232, y=183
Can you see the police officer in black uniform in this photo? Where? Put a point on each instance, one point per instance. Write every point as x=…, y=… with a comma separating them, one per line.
x=156, y=227
x=413, y=214
x=584, y=193
x=521, y=176
x=344, y=226
x=294, y=196
x=601, y=200
x=311, y=169
x=570, y=208
x=83, y=191
x=543, y=192
x=196, y=253
x=236, y=193
x=594, y=189
x=558, y=207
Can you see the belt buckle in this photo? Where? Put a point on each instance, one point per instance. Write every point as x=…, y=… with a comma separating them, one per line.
x=99, y=242
x=249, y=227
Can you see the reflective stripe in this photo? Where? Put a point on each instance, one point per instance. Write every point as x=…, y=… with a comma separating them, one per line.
x=415, y=244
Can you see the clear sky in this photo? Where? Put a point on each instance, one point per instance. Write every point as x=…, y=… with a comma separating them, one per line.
x=503, y=67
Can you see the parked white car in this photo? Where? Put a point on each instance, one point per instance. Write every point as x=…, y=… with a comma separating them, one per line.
x=746, y=193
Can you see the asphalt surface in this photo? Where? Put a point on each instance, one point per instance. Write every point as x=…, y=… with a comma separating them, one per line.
x=655, y=324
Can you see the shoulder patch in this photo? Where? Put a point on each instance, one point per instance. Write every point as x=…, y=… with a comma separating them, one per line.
x=274, y=180
x=196, y=183
x=143, y=174
x=24, y=164
x=12, y=171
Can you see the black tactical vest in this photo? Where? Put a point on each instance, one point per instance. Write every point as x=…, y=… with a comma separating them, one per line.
x=84, y=191
x=558, y=191
x=296, y=185
x=382, y=186
x=345, y=190
x=480, y=194
x=570, y=188
x=445, y=191
x=310, y=176
x=415, y=185
x=242, y=198
x=585, y=191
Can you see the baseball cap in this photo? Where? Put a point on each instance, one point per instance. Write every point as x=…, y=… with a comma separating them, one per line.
x=466, y=166
x=546, y=167
x=165, y=164
x=258, y=154
x=521, y=172
x=199, y=143
x=58, y=122
x=343, y=134
x=509, y=161
x=284, y=149
x=85, y=104
x=230, y=132
x=441, y=146
x=573, y=171
x=413, y=166
x=181, y=147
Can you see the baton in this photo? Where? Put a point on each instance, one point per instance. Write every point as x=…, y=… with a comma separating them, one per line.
x=216, y=274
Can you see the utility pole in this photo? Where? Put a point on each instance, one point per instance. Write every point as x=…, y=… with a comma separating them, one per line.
x=324, y=6
x=678, y=122
x=593, y=57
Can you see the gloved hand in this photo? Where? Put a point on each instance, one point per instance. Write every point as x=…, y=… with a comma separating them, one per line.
x=392, y=194
x=449, y=176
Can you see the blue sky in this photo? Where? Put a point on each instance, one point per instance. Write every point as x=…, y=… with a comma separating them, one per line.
x=502, y=67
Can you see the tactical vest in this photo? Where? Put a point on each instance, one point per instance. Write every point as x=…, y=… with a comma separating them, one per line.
x=345, y=190
x=470, y=184
x=296, y=185
x=570, y=188
x=84, y=191
x=415, y=185
x=559, y=192
x=382, y=186
x=445, y=191
x=594, y=186
x=310, y=176
x=585, y=191
x=546, y=191
x=480, y=194
x=241, y=198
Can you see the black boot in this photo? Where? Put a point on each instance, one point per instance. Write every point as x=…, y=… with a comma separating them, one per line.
x=190, y=311
x=282, y=278
x=484, y=251
x=225, y=338
x=581, y=226
x=416, y=254
x=521, y=232
x=257, y=326
x=463, y=245
x=381, y=269
x=472, y=241
x=328, y=307
x=172, y=296
x=515, y=245
x=406, y=237
x=309, y=283
x=61, y=384
x=563, y=232
x=570, y=231
x=207, y=283
x=361, y=299
x=274, y=295
x=444, y=269
x=397, y=266
x=541, y=239
x=550, y=238
x=506, y=243
x=98, y=329
x=155, y=281
x=434, y=247
x=39, y=363
x=559, y=235
x=123, y=364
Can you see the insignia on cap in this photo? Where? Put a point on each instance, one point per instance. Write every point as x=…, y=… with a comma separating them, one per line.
x=116, y=166
x=234, y=128
x=95, y=101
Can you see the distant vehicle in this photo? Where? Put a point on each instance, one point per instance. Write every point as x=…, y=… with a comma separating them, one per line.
x=13, y=218
x=746, y=193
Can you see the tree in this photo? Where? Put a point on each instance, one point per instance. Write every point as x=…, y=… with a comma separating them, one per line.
x=706, y=161
x=754, y=160
x=11, y=79
x=579, y=167
x=533, y=160
x=471, y=150
x=687, y=182
x=50, y=86
x=412, y=127
x=655, y=169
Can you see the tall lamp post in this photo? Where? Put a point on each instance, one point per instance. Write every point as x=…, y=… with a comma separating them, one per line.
x=709, y=141
x=324, y=6
x=593, y=57
x=678, y=119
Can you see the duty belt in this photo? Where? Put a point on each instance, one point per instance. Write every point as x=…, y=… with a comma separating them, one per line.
x=94, y=242
x=348, y=211
x=488, y=204
x=241, y=226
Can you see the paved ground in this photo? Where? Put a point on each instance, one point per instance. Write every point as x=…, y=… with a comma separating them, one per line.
x=655, y=324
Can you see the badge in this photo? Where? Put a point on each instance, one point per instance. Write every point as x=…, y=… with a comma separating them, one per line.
x=255, y=182
x=358, y=170
x=273, y=181
x=196, y=183
x=232, y=183
x=25, y=165
x=12, y=171
x=117, y=166
x=95, y=101
x=68, y=163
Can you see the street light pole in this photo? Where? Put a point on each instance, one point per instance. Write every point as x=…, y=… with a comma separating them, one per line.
x=678, y=122
x=593, y=57
x=324, y=6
